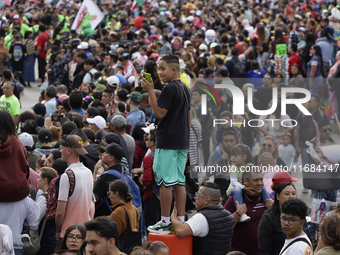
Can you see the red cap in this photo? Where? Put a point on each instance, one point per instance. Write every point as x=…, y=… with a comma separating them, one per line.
x=283, y=177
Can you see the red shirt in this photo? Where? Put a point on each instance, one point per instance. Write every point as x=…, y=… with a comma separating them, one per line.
x=295, y=60
x=148, y=176
x=138, y=22
x=138, y=156
x=247, y=231
x=41, y=42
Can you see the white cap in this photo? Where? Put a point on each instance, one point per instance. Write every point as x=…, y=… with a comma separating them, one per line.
x=83, y=46
x=198, y=13
x=162, y=3
x=190, y=18
x=302, y=29
x=186, y=43
x=113, y=81
x=16, y=16
x=203, y=47
x=93, y=43
x=99, y=121
x=149, y=128
x=26, y=139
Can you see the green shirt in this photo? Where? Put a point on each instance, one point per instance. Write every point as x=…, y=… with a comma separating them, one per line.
x=10, y=104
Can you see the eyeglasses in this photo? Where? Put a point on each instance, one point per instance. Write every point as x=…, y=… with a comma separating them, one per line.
x=291, y=221
x=201, y=195
x=264, y=145
x=327, y=129
x=75, y=238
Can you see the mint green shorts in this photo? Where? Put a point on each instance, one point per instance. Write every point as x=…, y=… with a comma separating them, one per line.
x=169, y=166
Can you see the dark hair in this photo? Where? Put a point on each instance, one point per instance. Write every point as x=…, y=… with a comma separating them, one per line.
x=122, y=188
x=92, y=112
x=217, y=49
x=122, y=94
x=219, y=61
x=26, y=115
x=229, y=133
x=210, y=185
x=27, y=33
x=90, y=134
x=7, y=126
x=42, y=28
x=294, y=206
x=276, y=206
x=151, y=68
x=171, y=59
x=255, y=65
x=68, y=231
x=7, y=74
x=318, y=54
x=104, y=227
x=82, y=55
x=76, y=100
x=240, y=149
x=65, y=104
x=127, y=86
x=56, y=154
x=294, y=46
x=323, y=123
x=138, y=133
x=89, y=61
x=226, y=114
x=234, y=51
x=79, y=132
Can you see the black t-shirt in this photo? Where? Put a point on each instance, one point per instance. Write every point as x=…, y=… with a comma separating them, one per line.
x=173, y=129
x=101, y=188
x=18, y=52
x=264, y=96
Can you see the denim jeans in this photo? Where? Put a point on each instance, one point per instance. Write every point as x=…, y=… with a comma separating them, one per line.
x=238, y=195
x=18, y=251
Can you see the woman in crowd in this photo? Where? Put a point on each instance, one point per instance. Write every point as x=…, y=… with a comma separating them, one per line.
x=52, y=157
x=295, y=78
x=277, y=79
x=151, y=68
x=74, y=238
x=314, y=69
x=305, y=56
x=269, y=144
x=121, y=201
x=329, y=242
x=28, y=71
x=270, y=235
x=262, y=50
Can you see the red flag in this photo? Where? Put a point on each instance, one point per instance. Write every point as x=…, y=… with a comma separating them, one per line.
x=133, y=7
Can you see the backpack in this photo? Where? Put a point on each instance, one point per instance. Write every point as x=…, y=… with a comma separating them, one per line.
x=48, y=44
x=239, y=69
x=53, y=193
x=78, y=79
x=133, y=187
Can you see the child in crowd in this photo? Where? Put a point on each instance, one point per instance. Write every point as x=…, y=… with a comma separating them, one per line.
x=228, y=116
x=287, y=151
x=39, y=164
x=241, y=159
x=172, y=141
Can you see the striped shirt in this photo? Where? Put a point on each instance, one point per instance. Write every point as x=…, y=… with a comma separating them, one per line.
x=195, y=137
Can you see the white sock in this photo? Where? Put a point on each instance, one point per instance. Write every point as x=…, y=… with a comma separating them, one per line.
x=181, y=218
x=165, y=220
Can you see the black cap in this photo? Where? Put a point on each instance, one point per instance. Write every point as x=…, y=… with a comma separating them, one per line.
x=45, y=135
x=40, y=109
x=114, y=150
x=112, y=138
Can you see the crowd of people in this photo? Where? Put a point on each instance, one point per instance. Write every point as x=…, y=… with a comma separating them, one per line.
x=131, y=111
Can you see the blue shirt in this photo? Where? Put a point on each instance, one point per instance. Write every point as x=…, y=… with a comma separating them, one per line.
x=135, y=116
x=255, y=77
x=315, y=61
x=50, y=107
x=326, y=50
x=80, y=111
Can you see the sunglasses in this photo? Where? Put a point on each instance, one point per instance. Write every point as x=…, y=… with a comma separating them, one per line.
x=327, y=129
x=200, y=195
x=264, y=145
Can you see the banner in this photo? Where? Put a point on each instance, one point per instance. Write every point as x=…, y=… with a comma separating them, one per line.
x=88, y=12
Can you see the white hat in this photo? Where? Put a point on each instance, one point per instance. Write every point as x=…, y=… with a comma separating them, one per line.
x=113, y=81
x=198, y=13
x=149, y=128
x=99, y=121
x=16, y=16
x=26, y=139
x=83, y=46
x=203, y=47
x=302, y=29
x=190, y=18
x=186, y=43
x=162, y=3
x=182, y=65
x=93, y=43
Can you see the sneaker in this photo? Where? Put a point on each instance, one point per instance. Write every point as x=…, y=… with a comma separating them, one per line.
x=159, y=228
x=244, y=218
x=26, y=240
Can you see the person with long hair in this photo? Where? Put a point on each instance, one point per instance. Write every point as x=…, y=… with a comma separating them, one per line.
x=262, y=50
x=314, y=69
x=151, y=68
x=305, y=55
x=269, y=144
x=278, y=39
x=13, y=182
x=262, y=35
x=201, y=65
x=295, y=78
x=270, y=235
x=74, y=238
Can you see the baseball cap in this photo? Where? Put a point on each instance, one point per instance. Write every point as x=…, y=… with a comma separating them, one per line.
x=112, y=138
x=99, y=121
x=149, y=128
x=39, y=108
x=213, y=45
x=135, y=97
x=280, y=177
x=115, y=150
x=45, y=134
x=302, y=29
x=118, y=121
x=203, y=47
x=74, y=142
x=16, y=16
x=51, y=90
x=83, y=46
x=100, y=87
x=26, y=139
x=198, y=13
x=113, y=81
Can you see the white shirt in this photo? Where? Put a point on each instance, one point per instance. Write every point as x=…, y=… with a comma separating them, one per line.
x=298, y=248
x=199, y=225
x=287, y=153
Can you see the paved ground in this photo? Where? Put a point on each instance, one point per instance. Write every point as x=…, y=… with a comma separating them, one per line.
x=31, y=95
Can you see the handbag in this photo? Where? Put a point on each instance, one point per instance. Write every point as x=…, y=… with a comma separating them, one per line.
x=129, y=239
x=35, y=239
